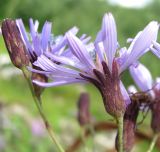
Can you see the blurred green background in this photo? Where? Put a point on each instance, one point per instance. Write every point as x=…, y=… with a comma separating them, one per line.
x=60, y=102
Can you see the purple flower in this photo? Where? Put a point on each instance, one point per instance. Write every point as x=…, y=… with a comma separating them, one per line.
x=143, y=79
x=39, y=43
x=156, y=49
x=139, y=46
x=132, y=89
x=99, y=65
x=35, y=43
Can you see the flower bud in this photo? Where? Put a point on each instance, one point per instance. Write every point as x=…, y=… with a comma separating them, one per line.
x=14, y=43
x=83, y=109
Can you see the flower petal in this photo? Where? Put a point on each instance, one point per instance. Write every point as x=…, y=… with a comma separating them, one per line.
x=74, y=30
x=57, y=83
x=79, y=50
x=100, y=51
x=109, y=34
x=46, y=33
x=132, y=89
x=24, y=34
x=141, y=76
x=157, y=84
x=33, y=27
x=141, y=44
x=64, y=60
x=48, y=66
x=125, y=94
x=38, y=50
x=156, y=49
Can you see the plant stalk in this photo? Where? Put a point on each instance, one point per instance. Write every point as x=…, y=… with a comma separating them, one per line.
x=38, y=105
x=153, y=142
x=120, y=133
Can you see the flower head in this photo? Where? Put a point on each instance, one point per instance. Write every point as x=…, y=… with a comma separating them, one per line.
x=104, y=68
x=142, y=77
x=38, y=44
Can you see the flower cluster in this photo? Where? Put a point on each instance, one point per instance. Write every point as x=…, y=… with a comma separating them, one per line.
x=69, y=59
x=76, y=60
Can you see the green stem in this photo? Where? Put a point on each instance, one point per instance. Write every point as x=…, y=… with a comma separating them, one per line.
x=83, y=138
x=120, y=133
x=92, y=131
x=153, y=142
x=38, y=104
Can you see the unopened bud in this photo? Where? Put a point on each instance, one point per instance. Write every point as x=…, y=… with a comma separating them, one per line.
x=83, y=109
x=14, y=43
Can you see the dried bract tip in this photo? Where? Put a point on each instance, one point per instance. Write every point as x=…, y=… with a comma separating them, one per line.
x=83, y=109
x=14, y=43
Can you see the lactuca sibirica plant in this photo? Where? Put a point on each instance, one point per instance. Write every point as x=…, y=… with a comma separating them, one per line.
x=68, y=59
